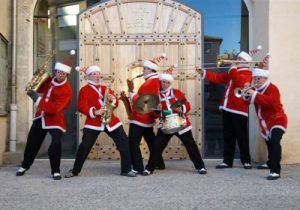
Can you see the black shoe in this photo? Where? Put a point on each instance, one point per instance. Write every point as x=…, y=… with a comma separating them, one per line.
x=262, y=166
x=222, y=165
x=247, y=166
x=56, y=176
x=160, y=167
x=202, y=171
x=21, y=171
x=147, y=172
x=70, y=174
x=273, y=176
x=137, y=172
x=129, y=174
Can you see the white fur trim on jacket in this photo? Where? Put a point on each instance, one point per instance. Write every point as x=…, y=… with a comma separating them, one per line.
x=91, y=112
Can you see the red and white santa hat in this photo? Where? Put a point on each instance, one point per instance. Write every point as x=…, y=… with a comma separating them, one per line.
x=262, y=69
x=66, y=65
x=153, y=64
x=88, y=70
x=248, y=56
x=167, y=74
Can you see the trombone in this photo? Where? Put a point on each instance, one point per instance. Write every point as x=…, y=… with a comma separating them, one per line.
x=220, y=61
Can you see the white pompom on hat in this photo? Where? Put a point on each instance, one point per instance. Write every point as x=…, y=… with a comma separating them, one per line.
x=66, y=65
x=153, y=64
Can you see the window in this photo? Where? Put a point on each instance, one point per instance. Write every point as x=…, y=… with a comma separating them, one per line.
x=207, y=48
x=3, y=75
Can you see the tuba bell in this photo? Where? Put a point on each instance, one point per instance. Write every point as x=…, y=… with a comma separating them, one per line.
x=41, y=75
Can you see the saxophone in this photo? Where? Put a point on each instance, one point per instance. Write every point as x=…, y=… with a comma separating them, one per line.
x=40, y=76
x=107, y=108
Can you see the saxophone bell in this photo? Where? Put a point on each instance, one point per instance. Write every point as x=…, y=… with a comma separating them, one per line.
x=41, y=75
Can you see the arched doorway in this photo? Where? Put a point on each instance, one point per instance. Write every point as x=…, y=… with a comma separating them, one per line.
x=114, y=34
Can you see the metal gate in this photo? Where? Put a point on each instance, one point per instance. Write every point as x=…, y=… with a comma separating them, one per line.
x=117, y=33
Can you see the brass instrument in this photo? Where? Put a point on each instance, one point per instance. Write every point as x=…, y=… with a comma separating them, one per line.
x=238, y=92
x=107, y=108
x=125, y=99
x=40, y=76
x=220, y=61
x=130, y=84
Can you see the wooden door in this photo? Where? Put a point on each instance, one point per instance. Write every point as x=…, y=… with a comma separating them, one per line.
x=119, y=33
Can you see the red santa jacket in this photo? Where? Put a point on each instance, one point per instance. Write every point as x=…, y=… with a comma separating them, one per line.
x=50, y=107
x=234, y=78
x=90, y=99
x=170, y=96
x=151, y=85
x=269, y=109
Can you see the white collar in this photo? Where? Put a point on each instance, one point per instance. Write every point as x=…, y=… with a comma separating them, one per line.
x=152, y=75
x=267, y=82
x=54, y=83
x=92, y=82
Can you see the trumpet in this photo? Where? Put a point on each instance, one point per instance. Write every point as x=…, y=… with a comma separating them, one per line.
x=220, y=61
x=238, y=92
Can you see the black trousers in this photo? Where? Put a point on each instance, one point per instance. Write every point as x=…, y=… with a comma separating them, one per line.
x=161, y=142
x=235, y=127
x=35, y=139
x=88, y=140
x=274, y=150
x=136, y=133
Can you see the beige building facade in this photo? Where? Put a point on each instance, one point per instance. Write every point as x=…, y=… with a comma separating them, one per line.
x=271, y=24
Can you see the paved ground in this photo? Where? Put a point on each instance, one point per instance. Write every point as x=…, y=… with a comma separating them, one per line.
x=99, y=186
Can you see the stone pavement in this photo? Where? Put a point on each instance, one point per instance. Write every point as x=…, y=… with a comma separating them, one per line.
x=100, y=186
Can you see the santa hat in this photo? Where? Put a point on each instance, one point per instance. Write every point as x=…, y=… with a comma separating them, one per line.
x=153, y=64
x=66, y=65
x=167, y=74
x=255, y=51
x=262, y=69
x=248, y=57
x=88, y=70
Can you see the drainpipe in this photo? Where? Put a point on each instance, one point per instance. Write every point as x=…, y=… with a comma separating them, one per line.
x=13, y=105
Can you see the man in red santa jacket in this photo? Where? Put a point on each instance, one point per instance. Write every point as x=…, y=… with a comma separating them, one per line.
x=56, y=97
x=91, y=103
x=168, y=96
x=140, y=124
x=234, y=110
x=271, y=117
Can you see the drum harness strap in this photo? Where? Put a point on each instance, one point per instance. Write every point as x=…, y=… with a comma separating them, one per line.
x=166, y=97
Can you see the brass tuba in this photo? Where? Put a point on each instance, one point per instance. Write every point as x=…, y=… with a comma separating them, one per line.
x=107, y=108
x=41, y=75
x=123, y=97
